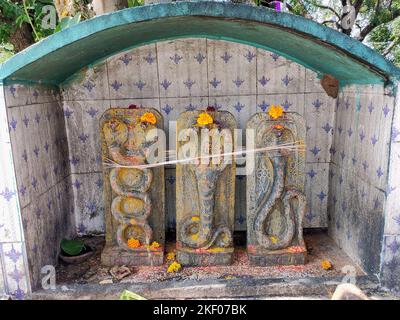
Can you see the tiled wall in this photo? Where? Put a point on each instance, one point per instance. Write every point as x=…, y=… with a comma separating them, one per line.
x=54, y=144
x=358, y=175
x=188, y=74
x=14, y=276
x=40, y=154
x=390, y=264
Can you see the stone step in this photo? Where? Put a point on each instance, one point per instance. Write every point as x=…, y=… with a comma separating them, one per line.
x=244, y=288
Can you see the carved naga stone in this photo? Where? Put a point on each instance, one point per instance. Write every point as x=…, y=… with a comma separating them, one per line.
x=133, y=195
x=275, y=190
x=205, y=188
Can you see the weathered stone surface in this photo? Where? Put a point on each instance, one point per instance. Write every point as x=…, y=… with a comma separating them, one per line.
x=133, y=196
x=330, y=85
x=275, y=191
x=205, y=192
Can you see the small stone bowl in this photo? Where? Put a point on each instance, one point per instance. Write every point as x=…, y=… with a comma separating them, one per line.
x=88, y=252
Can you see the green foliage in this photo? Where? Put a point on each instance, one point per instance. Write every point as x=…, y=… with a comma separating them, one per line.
x=128, y=295
x=67, y=22
x=18, y=13
x=9, y=11
x=15, y=14
x=6, y=52
x=135, y=3
x=72, y=247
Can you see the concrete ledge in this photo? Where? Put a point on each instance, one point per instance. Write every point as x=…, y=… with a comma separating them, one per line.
x=208, y=289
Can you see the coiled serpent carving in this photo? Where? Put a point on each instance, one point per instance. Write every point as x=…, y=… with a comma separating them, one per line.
x=125, y=151
x=198, y=231
x=270, y=201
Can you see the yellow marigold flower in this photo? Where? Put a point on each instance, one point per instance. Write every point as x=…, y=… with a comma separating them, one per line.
x=133, y=243
x=326, y=265
x=170, y=256
x=64, y=13
x=174, y=267
x=273, y=239
x=204, y=119
x=155, y=245
x=275, y=111
x=149, y=118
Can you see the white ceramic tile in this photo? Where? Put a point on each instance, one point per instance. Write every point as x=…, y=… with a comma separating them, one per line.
x=392, y=225
x=90, y=83
x=290, y=102
x=313, y=83
x=317, y=189
x=17, y=95
x=88, y=202
x=231, y=68
x=276, y=74
x=134, y=73
x=242, y=107
x=82, y=123
x=182, y=68
x=171, y=108
x=15, y=269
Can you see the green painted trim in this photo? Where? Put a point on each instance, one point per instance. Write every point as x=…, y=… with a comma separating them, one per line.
x=321, y=49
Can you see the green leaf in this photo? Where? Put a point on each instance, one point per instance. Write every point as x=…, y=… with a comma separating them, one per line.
x=128, y=295
x=72, y=247
x=67, y=22
x=135, y=3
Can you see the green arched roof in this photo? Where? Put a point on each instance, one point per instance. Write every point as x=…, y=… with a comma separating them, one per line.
x=319, y=48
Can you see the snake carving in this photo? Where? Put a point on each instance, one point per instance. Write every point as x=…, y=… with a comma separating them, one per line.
x=198, y=231
x=129, y=189
x=205, y=187
x=279, y=198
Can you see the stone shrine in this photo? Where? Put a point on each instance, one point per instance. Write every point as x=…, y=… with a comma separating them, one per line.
x=133, y=196
x=276, y=203
x=205, y=189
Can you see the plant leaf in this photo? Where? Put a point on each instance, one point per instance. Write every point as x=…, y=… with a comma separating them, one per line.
x=128, y=295
x=72, y=247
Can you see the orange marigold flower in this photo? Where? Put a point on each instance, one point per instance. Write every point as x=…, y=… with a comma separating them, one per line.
x=149, y=118
x=204, y=119
x=326, y=265
x=174, y=267
x=275, y=111
x=133, y=243
x=296, y=249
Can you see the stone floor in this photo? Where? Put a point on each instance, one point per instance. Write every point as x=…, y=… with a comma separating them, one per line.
x=319, y=245
x=90, y=280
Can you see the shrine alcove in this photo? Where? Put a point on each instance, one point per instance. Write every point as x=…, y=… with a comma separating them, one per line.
x=186, y=56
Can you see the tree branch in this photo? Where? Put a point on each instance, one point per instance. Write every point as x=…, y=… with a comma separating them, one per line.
x=371, y=26
x=321, y=6
x=389, y=48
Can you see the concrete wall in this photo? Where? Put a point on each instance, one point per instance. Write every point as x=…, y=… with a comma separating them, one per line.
x=40, y=154
x=186, y=74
